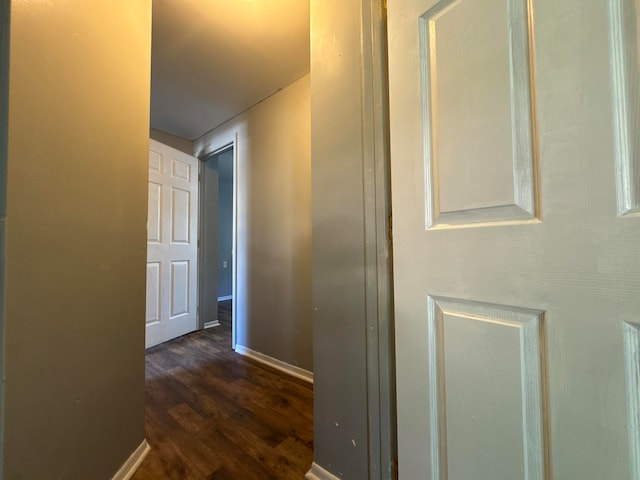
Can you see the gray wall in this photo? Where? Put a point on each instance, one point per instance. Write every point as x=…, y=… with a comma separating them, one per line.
x=208, y=274
x=353, y=377
x=273, y=304
x=179, y=143
x=5, y=7
x=225, y=222
x=74, y=289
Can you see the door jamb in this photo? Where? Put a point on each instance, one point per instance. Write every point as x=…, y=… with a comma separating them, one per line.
x=378, y=243
x=224, y=145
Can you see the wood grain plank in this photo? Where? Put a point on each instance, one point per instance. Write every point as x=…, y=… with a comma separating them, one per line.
x=215, y=415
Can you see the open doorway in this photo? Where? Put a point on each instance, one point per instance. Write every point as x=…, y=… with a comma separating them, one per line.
x=217, y=240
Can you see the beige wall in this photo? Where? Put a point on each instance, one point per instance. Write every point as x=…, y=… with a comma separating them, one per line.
x=78, y=130
x=274, y=223
x=4, y=106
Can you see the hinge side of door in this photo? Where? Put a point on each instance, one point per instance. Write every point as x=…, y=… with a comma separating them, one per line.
x=390, y=228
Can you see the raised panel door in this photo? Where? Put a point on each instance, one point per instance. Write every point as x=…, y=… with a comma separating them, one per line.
x=171, y=244
x=514, y=159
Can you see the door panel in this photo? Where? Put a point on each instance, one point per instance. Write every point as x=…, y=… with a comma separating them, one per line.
x=476, y=86
x=625, y=51
x=486, y=374
x=154, y=217
x=180, y=218
x=171, y=244
x=475, y=62
x=153, y=292
x=179, y=288
x=514, y=127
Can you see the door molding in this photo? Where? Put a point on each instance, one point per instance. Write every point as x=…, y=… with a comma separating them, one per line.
x=378, y=252
x=354, y=372
x=319, y=473
x=131, y=465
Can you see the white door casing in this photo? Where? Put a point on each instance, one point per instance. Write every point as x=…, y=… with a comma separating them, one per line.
x=515, y=159
x=171, y=244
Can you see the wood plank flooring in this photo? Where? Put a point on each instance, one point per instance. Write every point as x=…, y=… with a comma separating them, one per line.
x=215, y=415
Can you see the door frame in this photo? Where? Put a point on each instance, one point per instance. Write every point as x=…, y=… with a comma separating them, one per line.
x=219, y=147
x=364, y=102
x=376, y=171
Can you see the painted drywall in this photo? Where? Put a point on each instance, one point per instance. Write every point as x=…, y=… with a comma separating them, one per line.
x=225, y=222
x=5, y=8
x=273, y=304
x=353, y=379
x=340, y=414
x=78, y=141
x=179, y=143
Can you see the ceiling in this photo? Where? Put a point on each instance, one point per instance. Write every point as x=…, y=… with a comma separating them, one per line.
x=212, y=59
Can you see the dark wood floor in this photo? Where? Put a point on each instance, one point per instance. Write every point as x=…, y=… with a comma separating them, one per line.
x=213, y=414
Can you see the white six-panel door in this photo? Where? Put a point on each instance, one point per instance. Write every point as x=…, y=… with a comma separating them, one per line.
x=171, y=244
x=515, y=135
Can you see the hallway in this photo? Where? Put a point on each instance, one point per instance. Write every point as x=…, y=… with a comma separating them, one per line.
x=213, y=414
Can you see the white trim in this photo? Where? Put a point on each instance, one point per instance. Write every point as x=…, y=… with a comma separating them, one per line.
x=129, y=467
x=292, y=370
x=226, y=297
x=234, y=258
x=319, y=473
x=212, y=323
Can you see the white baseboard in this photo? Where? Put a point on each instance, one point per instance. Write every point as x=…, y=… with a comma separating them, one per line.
x=212, y=323
x=297, y=372
x=226, y=297
x=129, y=467
x=319, y=473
